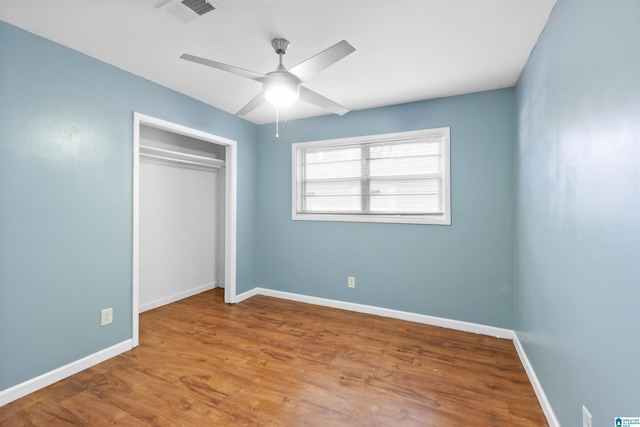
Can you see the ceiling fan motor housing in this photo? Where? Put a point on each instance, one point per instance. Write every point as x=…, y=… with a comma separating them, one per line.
x=280, y=45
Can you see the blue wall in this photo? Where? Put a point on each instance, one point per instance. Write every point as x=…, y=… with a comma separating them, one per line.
x=577, y=292
x=462, y=271
x=66, y=125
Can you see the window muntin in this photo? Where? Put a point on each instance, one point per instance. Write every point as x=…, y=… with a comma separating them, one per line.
x=402, y=177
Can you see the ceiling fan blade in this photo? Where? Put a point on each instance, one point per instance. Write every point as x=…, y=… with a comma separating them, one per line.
x=252, y=105
x=318, y=100
x=224, y=67
x=324, y=59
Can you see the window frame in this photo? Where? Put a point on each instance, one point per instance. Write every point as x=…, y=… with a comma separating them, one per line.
x=432, y=219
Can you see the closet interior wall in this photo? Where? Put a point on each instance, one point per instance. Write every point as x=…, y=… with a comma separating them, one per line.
x=182, y=196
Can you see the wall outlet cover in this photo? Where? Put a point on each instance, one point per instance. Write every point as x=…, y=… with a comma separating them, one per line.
x=351, y=282
x=106, y=316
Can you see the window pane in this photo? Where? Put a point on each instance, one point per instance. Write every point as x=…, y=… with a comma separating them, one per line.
x=406, y=204
x=328, y=204
x=333, y=188
x=404, y=166
x=331, y=154
x=427, y=186
x=406, y=149
x=347, y=169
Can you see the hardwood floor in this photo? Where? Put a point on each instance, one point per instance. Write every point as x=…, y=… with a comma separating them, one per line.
x=271, y=362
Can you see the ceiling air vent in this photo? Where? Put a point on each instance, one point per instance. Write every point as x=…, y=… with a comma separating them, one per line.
x=187, y=10
x=198, y=6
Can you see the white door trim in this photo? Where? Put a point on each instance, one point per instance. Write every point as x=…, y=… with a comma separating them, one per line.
x=230, y=207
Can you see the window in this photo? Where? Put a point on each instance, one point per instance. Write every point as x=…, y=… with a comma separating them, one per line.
x=400, y=178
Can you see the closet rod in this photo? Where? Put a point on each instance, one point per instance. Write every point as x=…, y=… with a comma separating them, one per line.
x=171, y=159
x=163, y=152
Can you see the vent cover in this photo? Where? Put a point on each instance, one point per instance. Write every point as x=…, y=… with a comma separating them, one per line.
x=198, y=6
x=187, y=10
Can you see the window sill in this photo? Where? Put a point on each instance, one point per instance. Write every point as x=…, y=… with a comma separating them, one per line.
x=389, y=219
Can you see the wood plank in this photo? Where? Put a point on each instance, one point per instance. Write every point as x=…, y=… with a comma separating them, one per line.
x=272, y=362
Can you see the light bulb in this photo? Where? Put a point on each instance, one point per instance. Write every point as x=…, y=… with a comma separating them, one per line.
x=281, y=91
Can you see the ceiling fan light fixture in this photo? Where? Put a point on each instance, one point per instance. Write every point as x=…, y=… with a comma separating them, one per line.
x=281, y=91
x=280, y=87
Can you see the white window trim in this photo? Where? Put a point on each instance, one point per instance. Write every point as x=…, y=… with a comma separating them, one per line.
x=443, y=219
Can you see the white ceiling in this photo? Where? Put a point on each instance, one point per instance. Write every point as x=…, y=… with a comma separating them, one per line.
x=406, y=50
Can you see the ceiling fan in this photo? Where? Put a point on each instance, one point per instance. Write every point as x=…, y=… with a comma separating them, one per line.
x=283, y=87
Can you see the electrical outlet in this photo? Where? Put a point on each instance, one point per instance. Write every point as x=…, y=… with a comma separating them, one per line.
x=351, y=282
x=106, y=316
x=586, y=418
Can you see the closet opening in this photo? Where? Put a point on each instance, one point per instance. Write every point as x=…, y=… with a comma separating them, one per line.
x=184, y=214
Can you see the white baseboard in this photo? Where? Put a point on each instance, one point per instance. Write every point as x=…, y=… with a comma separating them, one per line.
x=385, y=312
x=535, y=383
x=243, y=296
x=176, y=297
x=44, y=380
